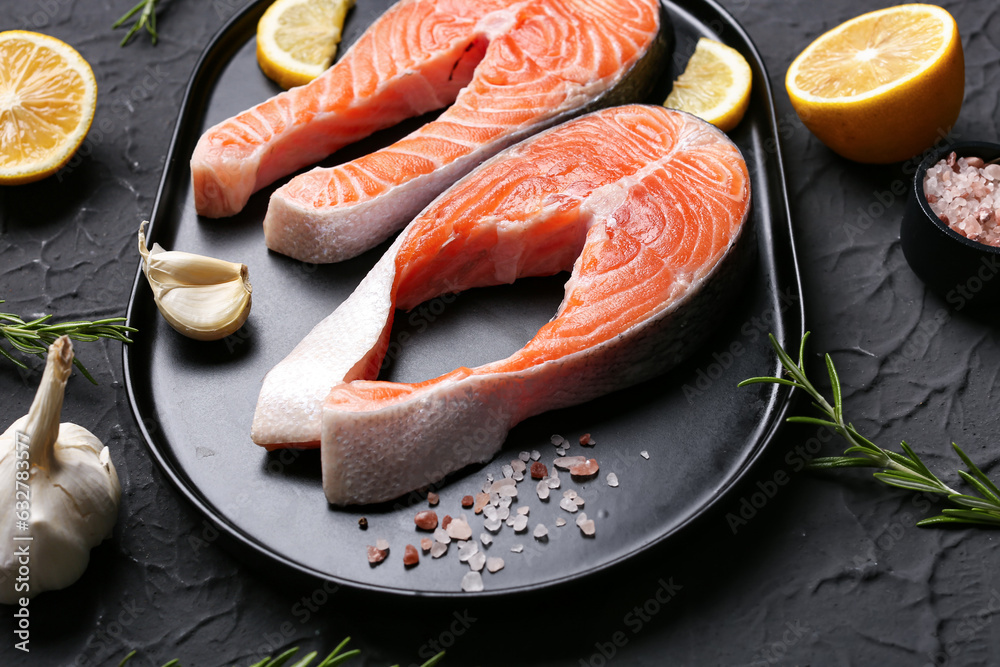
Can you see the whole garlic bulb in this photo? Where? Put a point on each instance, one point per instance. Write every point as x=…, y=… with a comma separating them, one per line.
x=72, y=493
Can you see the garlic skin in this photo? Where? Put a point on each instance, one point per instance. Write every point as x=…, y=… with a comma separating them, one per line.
x=201, y=297
x=74, y=489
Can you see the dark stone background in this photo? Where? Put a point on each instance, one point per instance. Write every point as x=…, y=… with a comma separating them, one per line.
x=831, y=571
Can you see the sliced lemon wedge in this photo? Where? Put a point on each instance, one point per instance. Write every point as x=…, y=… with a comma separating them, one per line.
x=715, y=85
x=297, y=39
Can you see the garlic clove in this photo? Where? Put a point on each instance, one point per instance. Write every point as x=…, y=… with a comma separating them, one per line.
x=201, y=297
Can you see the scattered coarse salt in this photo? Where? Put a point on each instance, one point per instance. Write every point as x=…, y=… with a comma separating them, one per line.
x=588, y=468
x=490, y=512
x=644, y=454
x=520, y=523
x=494, y=498
x=510, y=522
x=964, y=193
x=494, y=564
x=581, y=518
x=553, y=480
x=541, y=532
x=588, y=527
x=486, y=539
x=432, y=498
x=382, y=545
x=612, y=479
x=446, y=521
x=472, y=582
x=569, y=493
x=376, y=555
x=518, y=476
x=524, y=509
x=561, y=451
x=468, y=501
x=579, y=501
x=508, y=491
x=517, y=548
x=492, y=525
x=489, y=477
x=568, y=505
x=438, y=549
x=557, y=440
x=410, y=556
x=560, y=522
x=505, y=501
x=477, y=561
x=426, y=520
x=459, y=529
x=482, y=501
x=524, y=456
x=507, y=471
x=542, y=490
x=500, y=483
x=535, y=455
x=567, y=462
x=441, y=535
x=518, y=465
x=538, y=470
x=466, y=550
x=426, y=543
x=587, y=441
x=503, y=513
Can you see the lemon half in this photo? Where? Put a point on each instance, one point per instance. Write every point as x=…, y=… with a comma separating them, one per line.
x=48, y=95
x=883, y=86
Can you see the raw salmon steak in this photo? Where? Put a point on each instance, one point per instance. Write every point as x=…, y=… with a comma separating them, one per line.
x=509, y=68
x=646, y=205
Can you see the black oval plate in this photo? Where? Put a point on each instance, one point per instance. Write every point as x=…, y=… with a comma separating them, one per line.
x=194, y=401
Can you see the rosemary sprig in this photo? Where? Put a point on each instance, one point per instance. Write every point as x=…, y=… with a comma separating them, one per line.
x=34, y=337
x=147, y=20
x=904, y=470
x=333, y=660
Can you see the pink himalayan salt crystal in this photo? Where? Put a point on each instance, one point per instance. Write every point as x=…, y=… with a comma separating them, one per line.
x=965, y=194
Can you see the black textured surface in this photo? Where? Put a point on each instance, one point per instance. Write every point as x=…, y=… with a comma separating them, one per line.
x=830, y=571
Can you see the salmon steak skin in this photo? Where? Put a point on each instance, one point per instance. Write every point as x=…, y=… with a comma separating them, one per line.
x=508, y=70
x=648, y=207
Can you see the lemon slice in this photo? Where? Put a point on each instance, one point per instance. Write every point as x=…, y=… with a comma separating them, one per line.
x=297, y=39
x=47, y=99
x=883, y=86
x=715, y=85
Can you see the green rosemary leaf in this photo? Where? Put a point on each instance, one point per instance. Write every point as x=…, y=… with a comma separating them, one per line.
x=973, y=515
x=979, y=486
x=766, y=380
x=825, y=462
x=906, y=481
x=435, y=660
x=802, y=351
x=993, y=490
x=838, y=403
x=974, y=502
x=950, y=520
x=286, y=656
x=340, y=659
x=811, y=420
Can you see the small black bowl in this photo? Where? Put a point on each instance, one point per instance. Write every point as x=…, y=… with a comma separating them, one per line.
x=964, y=272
